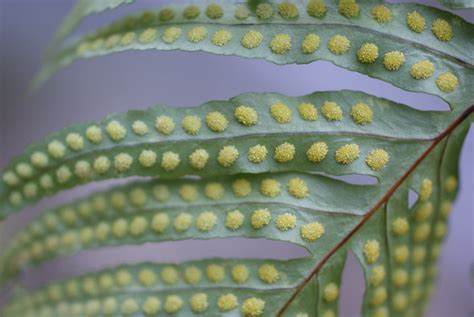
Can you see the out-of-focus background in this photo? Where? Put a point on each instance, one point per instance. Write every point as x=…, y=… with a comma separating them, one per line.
x=89, y=90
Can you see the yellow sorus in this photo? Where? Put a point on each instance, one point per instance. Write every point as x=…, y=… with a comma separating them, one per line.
x=161, y=193
x=241, y=12
x=401, y=254
x=46, y=182
x=123, y=162
x=92, y=307
x=311, y=232
x=447, y=82
x=109, y=306
x=101, y=164
x=39, y=159
x=446, y=208
x=147, y=158
x=377, y=275
x=228, y=155
x=169, y=275
x=120, y=228
x=418, y=274
x=214, y=11
x=139, y=127
x=191, y=12
x=317, y=152
x=393, y=60
x=147, y=36
x=56, y=149
x=371, y=251
x=381, y=312
x=308, y=111
x=123, y=278
x=379, y=296
x=206, y=221
x=166, y=15
x=111, y=41
x=227, y=302
x=151, y=306
x=221, y=38
x=368, y=53
x=216, y=121
x=241, y=188
x=198, y=159
x=280, y=43
x=191, y=124
x=381, y=13
x=24, y=170
x=331, y=292
x=416, y=22
x=214, y=190
x=264, y=11
x=310, y=43
x=240, y=274
x=173, y=303
x=188, y=192
x=442, y=30
x=347, y=154
x=251, y=39
x=377, y=159
x=82, y=169
x=160, y=222
x=426, y=189
x=284, y=152
x=102, y=231
x=400, y=278
x=192, y=275
x=147, y=278
x=199, y=302
x=267, y=273
x=234, y=220
x=400, y=226
x=11, y=179
x=116, y=130
x=285, y=222
x=253, y=307
x=197, y=34
x=63, y=174
x=400, y=302
x=183, y=222
x=298, y=188
x=316, y=8
x=424, y=211
x=164, y=124
x=419, y=254
x=339, y=44
x=331, y=111
x=138, y=226
x=170, y=161
x=451, y=184
x=127, y=38
x=30, y=190
x=171, y=34
x=422, y=70
x=260, y=218
x=75, y=141
x=348, y=8
x=362, y=114
x=215, y=273
x=270, y=187
x=257, y=153
x=246, y=115
x=281, y=112
x=288, y=10
x=421, y=232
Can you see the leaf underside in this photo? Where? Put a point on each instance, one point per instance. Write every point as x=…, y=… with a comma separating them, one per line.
x=273, y=169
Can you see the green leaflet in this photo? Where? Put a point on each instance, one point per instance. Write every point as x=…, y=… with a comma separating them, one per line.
x=458, y=4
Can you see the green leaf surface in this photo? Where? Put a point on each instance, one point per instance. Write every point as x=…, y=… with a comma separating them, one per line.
x=458, y=4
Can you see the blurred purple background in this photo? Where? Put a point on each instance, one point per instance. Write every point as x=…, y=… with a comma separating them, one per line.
x=89, y=90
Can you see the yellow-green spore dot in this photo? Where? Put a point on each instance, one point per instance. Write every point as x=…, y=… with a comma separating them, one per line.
x=316, y=8
x=127, y=38
x=416, y=22
x=270, y=187
x=284, y=152
x=164, y=124
x=288, y=10
x=381, y=312
x=160, y=222
x=311, y=232
x=214, y=191
x=172, y=34
x=228, y=155
x=39, y=159
x=260, y=218
x=446, y=208
x=192, y=275
x=92, y=307
x=188, y=192
x=424, y=211
x=63, y=174
x=120, y=228
x=348, y=8
x=240, y=273
x=451, y=184
x=173, y=304
x=339, y=44
x=241, y=188
x=101, y=164
x=102, y=231
x=169, y=275
x=151, y=306
x=331, y=111
x=447, y=82
x=206, y=221
x=257, y=153
x=347, y=154
x=214, y=11
x=11, y=179
x=280, y=43
x=400, y=278
x=56, y=149
x=317, y=152
x=25, y=170
x=147, y=158
x=82, y=169
x=442, y=30
x=330, y=292
x=285, y=222
x=191, y=12
x=368, y=53
x=191, y=124
x=400, y=302
x=267, y=273
x=426, y=189
x=377, y=159
x=401, y=254
x=246, y=115
x=109, y=306
x=75, y=141
x=298, y=188
x=251, y=39
x=308, y=111
x=221, y=38
x=440, y=230
x=216, y=121
x=393, y=60
x=379, y=296
x=241, y=12
x=371, y=251
x=147, y=278
x=362, y=114
x=215, y=273
x=182, y=222
x=199, y=302
x=147, y=36
x=400, y=226
x=234, y=220
x=30, y=190
x=166, y=15
x=281, y=112
x=377, y=275
x=421, y=232
x=198, y=159
x=116, y=130
x=46, y=182
x=123, y=162
x=94, y=134
x=253, y=307
x=419, y=254
x=227, y=302
x=264, y=11
x=422, y=70
x=138, y=226
x=197, y=34
x=170, y=161
x=381, y=13
x=123, y=278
